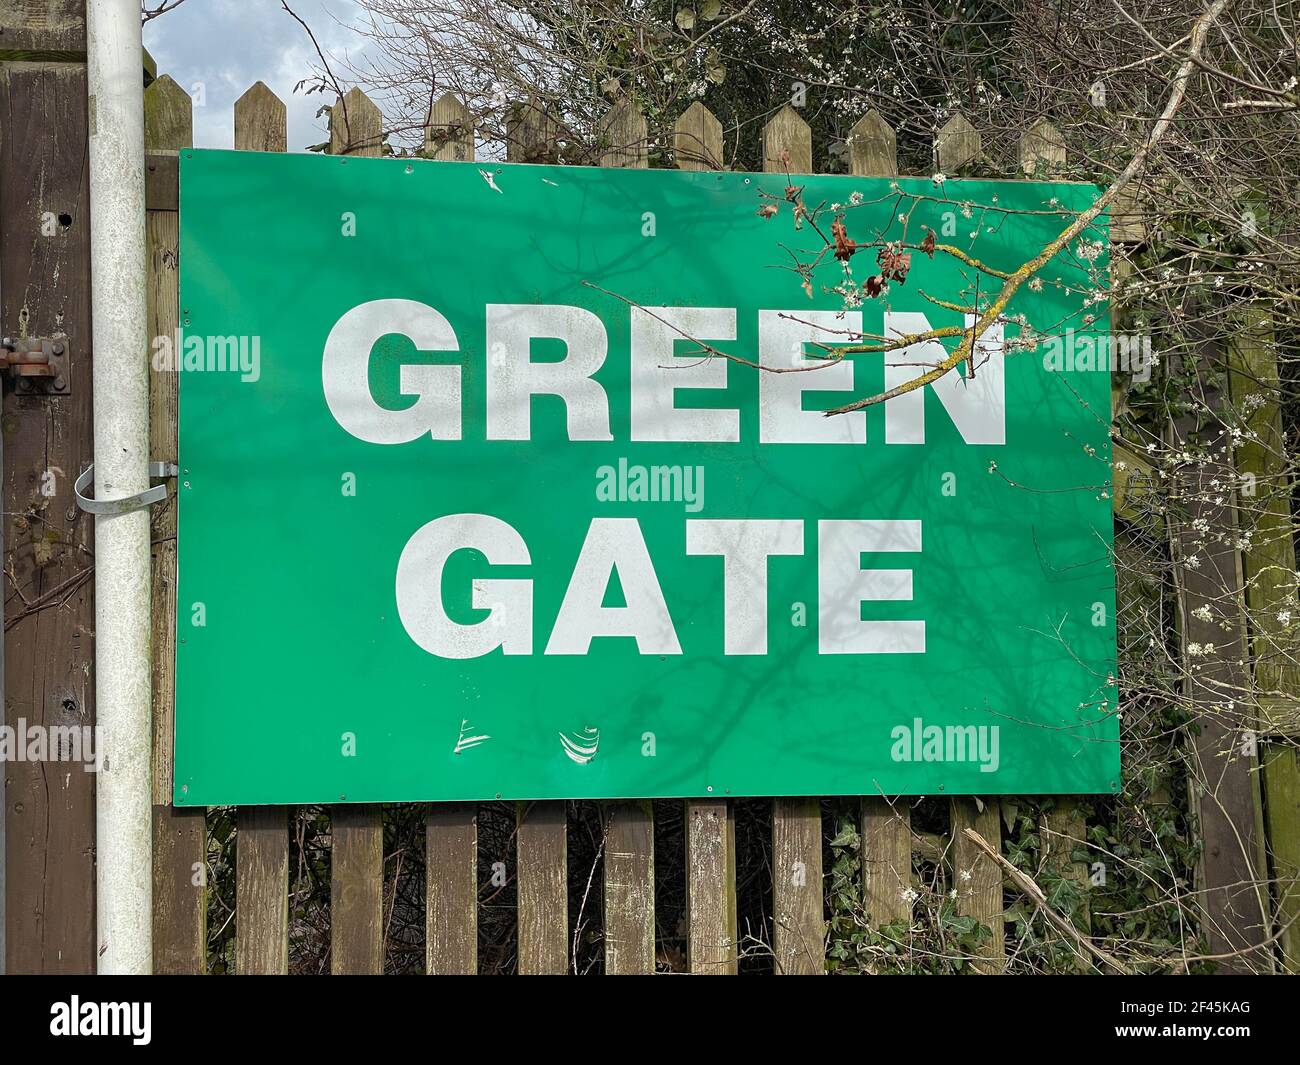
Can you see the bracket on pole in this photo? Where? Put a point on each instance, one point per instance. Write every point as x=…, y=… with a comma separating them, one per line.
x=126, y=504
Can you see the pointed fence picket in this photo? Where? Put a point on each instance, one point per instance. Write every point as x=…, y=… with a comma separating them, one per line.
x=262, y=833
x=712, y=944
x=179, y=835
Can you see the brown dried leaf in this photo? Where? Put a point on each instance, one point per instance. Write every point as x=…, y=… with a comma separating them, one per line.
x=845, y=247
x=894, y=264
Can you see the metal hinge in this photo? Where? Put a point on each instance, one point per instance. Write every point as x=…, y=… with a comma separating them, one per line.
x=37, y=364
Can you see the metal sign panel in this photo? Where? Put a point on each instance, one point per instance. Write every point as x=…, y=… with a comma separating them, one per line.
x=465, y=515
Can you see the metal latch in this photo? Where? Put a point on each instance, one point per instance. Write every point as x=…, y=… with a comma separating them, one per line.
x=126, y=504
x=37, y=364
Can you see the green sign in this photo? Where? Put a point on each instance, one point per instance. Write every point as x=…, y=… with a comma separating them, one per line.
x=467, y=512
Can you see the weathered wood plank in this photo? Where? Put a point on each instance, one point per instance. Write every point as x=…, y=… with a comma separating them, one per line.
x=873, y=147
x=1269, y=569
x=1281, y=766
x=449, y=131
x=49, y=810
x=162, y=245
x=978, y=879
x=451, y=828
x=622, y=135
x=357, y=889
x=798, y=908
x=711, y=946
x=629, y=896
x=541, y=850
x=697, y=139
x=1043, y=154
x=1224, y=780
x=161, y=181
x=180, y=877
x=799, y=930
x=180, y=838
x=1042, y=150
x=711, y=859
x=1279, y=716
x=886, y=859
x=262, y=833
x=531, y=134
x=168, y=116
x=1265, y=500
x=787, y=137
x=44, y=25
x=260, y=121
x=886, y=829
x=1064, y=829
x=262, y=890
x=1130, y=215
x=1134, y=480
x=956, y=145
x=356, y=126
x=629, y=888
x=451, y=889
x=357, y=861
x=179, y=835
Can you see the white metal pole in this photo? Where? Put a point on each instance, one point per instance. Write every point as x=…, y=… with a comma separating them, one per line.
x=123, y=876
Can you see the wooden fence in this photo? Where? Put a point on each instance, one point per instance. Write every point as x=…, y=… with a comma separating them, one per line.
x=1238, y=808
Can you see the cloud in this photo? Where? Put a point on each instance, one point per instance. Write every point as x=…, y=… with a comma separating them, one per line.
x=216, y=49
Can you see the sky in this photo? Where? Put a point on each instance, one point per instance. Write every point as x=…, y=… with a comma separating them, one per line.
x=216, y=49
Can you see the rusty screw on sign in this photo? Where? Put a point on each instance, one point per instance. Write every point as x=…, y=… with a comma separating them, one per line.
x=36, y=363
